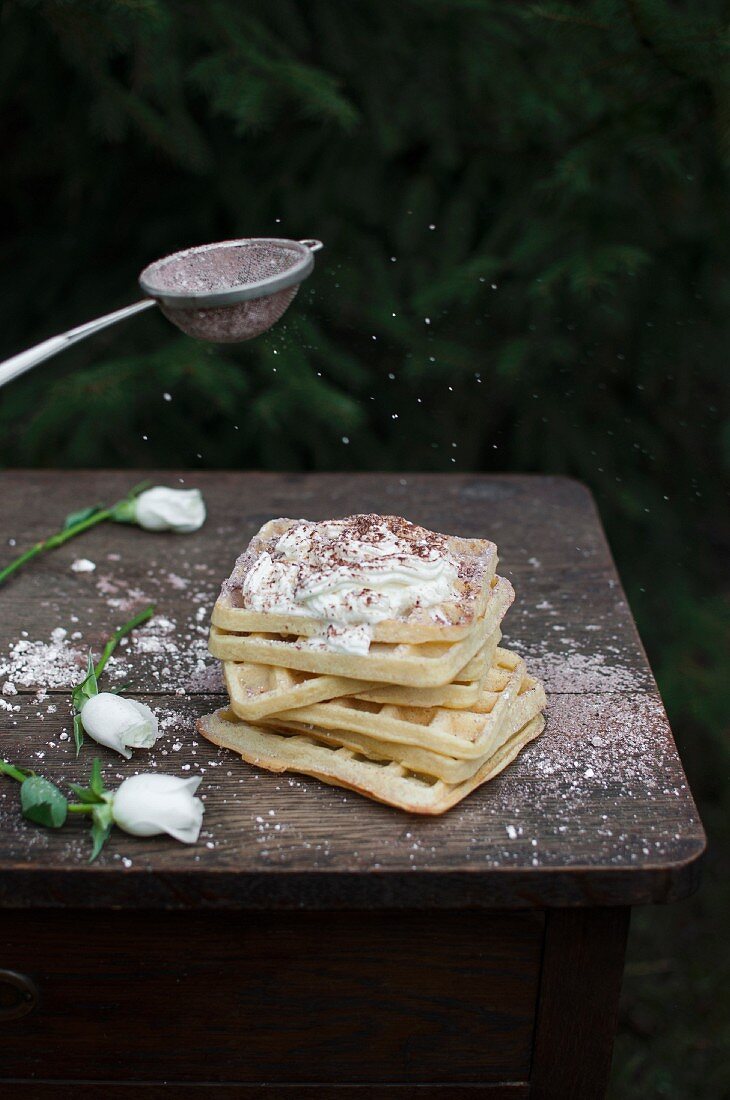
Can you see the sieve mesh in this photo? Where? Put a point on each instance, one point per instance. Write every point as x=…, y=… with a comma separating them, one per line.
x=230, y=291
x=232, y=324
x=212, y=269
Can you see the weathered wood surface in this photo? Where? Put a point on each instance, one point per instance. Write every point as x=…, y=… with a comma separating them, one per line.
x=597, y=812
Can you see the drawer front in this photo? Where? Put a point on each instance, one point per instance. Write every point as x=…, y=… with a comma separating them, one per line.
x=282, y=997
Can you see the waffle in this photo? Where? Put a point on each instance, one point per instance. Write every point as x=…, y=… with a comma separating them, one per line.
x=462, y=734
x=430, y=664
x=464, y=689
x=388, y=782
x=448, y=621
x=257, y=691
x=526, y=705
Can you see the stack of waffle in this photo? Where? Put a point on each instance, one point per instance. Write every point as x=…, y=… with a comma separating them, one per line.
x=432, y=708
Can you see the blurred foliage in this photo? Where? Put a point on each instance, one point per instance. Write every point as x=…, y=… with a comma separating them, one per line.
x=526, y=220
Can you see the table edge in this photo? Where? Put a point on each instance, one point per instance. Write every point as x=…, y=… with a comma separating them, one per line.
x=103, y=887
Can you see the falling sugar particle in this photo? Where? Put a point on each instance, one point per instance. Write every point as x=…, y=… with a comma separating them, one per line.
x=345, y=439
x=167, y=396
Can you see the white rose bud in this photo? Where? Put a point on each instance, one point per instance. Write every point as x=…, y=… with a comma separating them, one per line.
x=161, y=509
x=148, y=804
x=119, y=723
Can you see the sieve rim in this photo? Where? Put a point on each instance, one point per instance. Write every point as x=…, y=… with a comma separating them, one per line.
x=179, y=299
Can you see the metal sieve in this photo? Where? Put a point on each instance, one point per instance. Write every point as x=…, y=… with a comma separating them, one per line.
x=225, y=292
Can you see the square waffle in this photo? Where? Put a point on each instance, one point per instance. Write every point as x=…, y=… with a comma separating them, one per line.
x=464, y=734
x=429, y=664
x=476, y=560
x=525, y=706
x=382, y=780
x=257, y=691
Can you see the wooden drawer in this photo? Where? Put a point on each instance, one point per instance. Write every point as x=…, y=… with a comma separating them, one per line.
x=333, y=997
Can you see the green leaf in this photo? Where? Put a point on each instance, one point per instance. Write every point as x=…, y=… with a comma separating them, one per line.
x=78, y=517
x=96, y=783
x=88, y=687
x=95, y=793
x=101, y=827
x=99, y=836
x=42, y=802
x=84, y=794
x=78, y=733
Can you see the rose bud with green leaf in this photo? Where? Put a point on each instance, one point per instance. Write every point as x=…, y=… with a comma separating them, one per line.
x=119, y=723
x=161, y=509
x=157, y=509
x=148, y=804
x=143, y=805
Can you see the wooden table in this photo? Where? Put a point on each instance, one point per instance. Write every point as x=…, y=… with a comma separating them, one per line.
x=314, y=943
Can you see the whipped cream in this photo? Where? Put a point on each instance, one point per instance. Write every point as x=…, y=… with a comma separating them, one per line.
x=343, y=639
x=352, y=573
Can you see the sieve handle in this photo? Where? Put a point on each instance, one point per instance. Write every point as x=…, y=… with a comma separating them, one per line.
x=312, y=244
x=25, y=360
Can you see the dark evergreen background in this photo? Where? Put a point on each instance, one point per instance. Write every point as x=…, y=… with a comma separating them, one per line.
x=526, y=217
